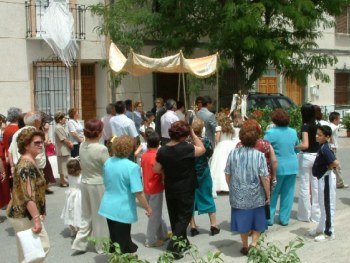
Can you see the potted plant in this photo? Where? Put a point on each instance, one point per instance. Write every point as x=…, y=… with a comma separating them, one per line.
x=346, y=124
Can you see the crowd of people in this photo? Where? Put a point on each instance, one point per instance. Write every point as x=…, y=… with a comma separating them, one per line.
x=132, y=155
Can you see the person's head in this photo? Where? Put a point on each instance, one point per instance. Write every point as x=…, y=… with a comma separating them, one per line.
x=32, y=119
x=224, y=121
x=110, y=109
x=93, y=129
x=323, y=134
x=150, y=116
x=280, y=117
x=248, y=135
x=13, y=114
x=148, y=131
x=59, y=117
x=159, y=102
x=308, y=113
x=180, y=106
x=197, y=126
x=120, y=107
x=2, y=119
x=170, y=104
x=236, y=118
x=334, y=117
x=153, y=140
x=128, y=105
x=138, y=106
x=73, y=113
x=198, y=102
x=30, y=140
x=21, y=123
x=73, y=167
x=179, y=130
x=254, y=124
x=318, y=113
x=207, y=102
x=123, y=146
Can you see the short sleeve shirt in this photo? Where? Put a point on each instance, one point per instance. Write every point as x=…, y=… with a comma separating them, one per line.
x=122, y=179
x=245, y=165
x=152, y=182
x=122, y=125
x=178, y=162
x=75, y=126
x=325, y=157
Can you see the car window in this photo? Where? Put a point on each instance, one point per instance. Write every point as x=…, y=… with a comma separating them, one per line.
x=264, y=102
x=284, y=103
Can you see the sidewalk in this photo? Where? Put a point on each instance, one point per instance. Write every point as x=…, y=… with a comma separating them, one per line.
x=336, y=251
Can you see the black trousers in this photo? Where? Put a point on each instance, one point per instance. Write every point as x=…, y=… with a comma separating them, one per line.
x=75, y=152
x=180, y=210
x=121, y=233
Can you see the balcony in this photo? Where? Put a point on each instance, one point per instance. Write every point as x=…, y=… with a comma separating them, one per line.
x=35, y=10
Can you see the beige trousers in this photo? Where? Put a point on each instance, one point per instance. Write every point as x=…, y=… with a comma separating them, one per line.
x=92, y=224
x=20, y=224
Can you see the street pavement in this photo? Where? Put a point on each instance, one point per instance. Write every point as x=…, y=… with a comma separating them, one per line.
x=336, y=251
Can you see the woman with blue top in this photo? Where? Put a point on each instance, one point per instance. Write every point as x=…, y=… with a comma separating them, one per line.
x=122, y=180
x=283, y=140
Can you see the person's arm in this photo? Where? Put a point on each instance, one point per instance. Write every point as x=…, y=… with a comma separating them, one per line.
x=199, y=148
x=11, y=162
x=334, y=164
x=217, y=136
x=33, y=210
x=73, y=133
x=228, y=178
x=2, y=172
x=142, y=199
x=305, y=142
x=266, y=184
x=157, y=168
x=273, y=164
x=138, y=150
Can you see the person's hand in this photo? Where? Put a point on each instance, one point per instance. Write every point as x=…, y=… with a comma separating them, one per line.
x=149, y=211
x=2, y=177
x=37, y=225
x=267, y=202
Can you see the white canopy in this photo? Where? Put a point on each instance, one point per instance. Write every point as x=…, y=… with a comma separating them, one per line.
x=139, y=65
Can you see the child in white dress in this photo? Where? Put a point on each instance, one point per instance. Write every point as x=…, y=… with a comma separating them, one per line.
x=71, y=213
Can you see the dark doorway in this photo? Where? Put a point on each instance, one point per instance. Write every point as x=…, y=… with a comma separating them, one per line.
x=166, y=86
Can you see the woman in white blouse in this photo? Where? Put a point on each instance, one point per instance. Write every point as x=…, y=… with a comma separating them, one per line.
x=76, y=131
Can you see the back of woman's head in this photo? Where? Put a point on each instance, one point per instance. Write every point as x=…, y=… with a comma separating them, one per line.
x=318, y=112
x=249, y=135
x=123, y=146
x=13, y=114
x=225, y=122
x=72, y=112
x=197, y=126
x=280, y=117
x=26, y=136
x=179, y=129
x=254, y=124
x=308, y=113
x=93, y=128
x=73, y=167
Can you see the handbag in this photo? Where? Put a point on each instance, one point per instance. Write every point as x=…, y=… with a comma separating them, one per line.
x=50, y=149
x=31, y=245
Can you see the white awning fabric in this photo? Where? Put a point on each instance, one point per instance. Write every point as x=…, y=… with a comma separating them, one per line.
x=139, y=65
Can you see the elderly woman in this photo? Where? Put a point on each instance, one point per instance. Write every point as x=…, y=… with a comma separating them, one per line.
x=122, y=179
x=75, y=130
x=176, y=160
x=63, y=146
x=27, y=206
x=247, y=176
x=283, y=139
x=139, y=115
x=92, y=158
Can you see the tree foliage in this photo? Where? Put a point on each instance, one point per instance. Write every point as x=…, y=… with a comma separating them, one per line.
x=250, y=35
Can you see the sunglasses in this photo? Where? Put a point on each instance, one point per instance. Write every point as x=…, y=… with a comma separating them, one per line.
x=38, y=143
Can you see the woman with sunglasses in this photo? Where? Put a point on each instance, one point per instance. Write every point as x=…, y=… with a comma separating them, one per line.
x=27, y=206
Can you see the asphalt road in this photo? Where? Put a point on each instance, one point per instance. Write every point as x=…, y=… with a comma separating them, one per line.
x=336, y=251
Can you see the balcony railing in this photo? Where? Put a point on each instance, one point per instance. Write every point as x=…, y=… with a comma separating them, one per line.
x=35, y=11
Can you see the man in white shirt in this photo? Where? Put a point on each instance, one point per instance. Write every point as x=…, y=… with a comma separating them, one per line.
x=334, y=121
x=107, y=130
x=167, y=119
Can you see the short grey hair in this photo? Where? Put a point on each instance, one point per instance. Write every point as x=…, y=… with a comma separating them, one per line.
x=13, y=114
x=110, y=108
x=30, y=118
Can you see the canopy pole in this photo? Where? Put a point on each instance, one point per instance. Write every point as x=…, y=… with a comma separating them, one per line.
x=183, y=83
x=217, y=90
x=178, y=87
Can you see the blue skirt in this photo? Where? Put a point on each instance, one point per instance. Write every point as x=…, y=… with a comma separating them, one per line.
x=244, y=220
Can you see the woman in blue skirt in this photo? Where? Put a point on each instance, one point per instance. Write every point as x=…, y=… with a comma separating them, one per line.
x=247, y=177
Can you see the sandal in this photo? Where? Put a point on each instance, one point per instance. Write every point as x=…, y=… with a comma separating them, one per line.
x=48, y=191
x=64, y=185
x=244, y=251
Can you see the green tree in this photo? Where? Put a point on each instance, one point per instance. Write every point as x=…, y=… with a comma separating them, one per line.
x=250, y=35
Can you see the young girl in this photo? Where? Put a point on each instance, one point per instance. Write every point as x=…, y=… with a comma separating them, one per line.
x=71, y=213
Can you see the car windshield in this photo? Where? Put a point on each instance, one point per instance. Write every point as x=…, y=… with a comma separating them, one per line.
x=261, y=103
x=285, y=104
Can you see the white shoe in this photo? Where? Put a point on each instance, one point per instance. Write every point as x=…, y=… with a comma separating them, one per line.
x=314, y=232
x=323, y=237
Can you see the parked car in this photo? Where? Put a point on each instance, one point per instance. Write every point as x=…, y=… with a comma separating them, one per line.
x=271, y=100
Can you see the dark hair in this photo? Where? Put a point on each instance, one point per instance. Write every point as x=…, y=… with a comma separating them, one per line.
x=318, y=113
x=333, y=116
x=93, y=128
x=73, y=165
x=148, y=131
x=169, y=104
x=153, y=140
x=206, y=100
x=179, y=129
x=26, y=136
x=21, y=123
x=72, y=112
x=280, y=117
x=248, y=135
x=128, y=104
x=149, y=114
x=179, y=104
x=326, y=130
x=199, y=99
x=120, y=107
x=308, y=114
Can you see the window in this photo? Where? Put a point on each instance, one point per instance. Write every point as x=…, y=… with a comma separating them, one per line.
x=343, y=21
x=341, y=90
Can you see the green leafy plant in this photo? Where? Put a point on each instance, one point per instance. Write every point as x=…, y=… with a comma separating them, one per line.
x=346, y=122
x=266, y=252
